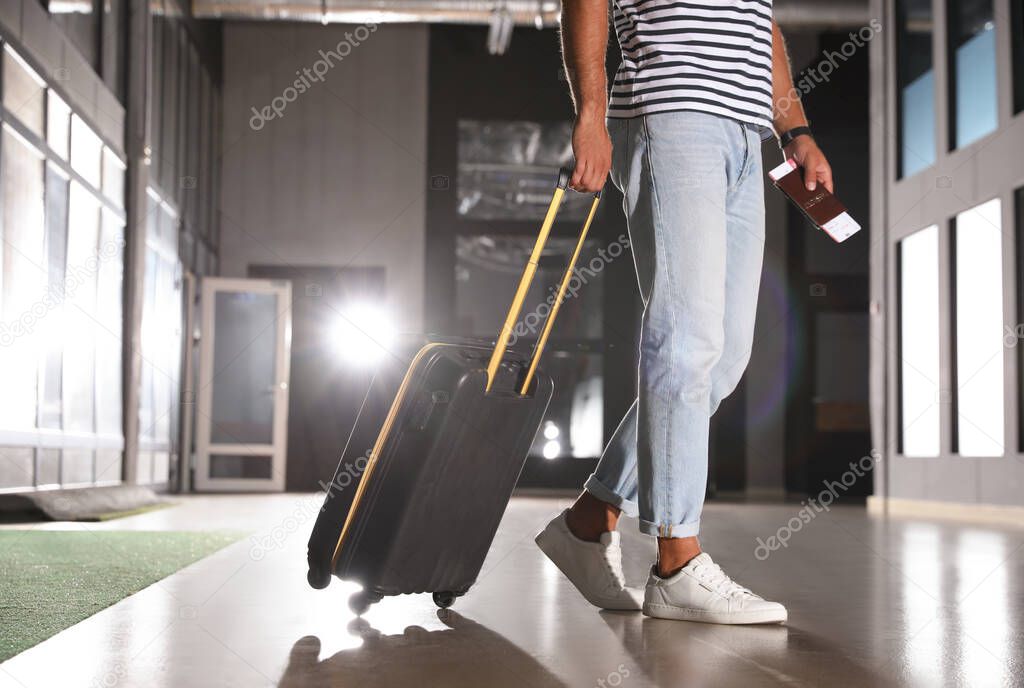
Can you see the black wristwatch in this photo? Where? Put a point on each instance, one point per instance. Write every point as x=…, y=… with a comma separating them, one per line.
x=787, y=137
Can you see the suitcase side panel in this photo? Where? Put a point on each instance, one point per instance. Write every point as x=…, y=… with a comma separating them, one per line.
x=466, y=483
x=340, y=492
x=381, y=457
x=454, y=484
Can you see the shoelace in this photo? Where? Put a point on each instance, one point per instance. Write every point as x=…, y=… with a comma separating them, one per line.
x=719, y=581
x=613, y=561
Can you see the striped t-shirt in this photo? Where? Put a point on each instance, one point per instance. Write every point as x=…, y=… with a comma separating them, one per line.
x=708, y=55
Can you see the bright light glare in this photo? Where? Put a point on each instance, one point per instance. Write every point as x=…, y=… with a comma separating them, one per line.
x=551, y=430
x=979, y=330
x=552, y=448
x=919, y=331
x=363, y=334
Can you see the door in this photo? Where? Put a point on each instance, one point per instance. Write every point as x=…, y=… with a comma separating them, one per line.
x=242, y=411
x=329, y=372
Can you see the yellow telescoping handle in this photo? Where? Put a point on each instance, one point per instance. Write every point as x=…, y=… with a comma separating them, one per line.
x=527, y=278
x=550, y=320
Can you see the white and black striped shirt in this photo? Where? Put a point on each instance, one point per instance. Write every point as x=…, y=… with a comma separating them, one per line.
x=709, y=55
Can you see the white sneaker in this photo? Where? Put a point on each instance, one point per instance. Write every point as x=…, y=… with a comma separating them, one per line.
x=595, y=568
x=702, y=591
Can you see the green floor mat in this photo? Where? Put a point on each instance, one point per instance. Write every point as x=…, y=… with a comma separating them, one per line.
x=50, y=580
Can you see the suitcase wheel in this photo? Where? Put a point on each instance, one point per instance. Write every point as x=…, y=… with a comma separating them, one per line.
x=361, y=601
x=444, y=599
x=318, y=577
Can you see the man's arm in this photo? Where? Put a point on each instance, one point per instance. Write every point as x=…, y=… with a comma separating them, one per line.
x=584, y=42
x=788, y=112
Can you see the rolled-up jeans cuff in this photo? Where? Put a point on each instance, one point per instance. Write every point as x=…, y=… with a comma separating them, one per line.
x=665, y=530
x=599, y=490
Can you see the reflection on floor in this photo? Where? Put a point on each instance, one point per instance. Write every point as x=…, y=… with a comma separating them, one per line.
x=872, y=603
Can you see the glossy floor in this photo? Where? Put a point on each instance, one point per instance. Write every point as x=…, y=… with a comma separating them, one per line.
x=872, y=602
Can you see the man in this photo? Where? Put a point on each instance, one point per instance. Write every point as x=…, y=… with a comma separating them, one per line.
x=701, y=83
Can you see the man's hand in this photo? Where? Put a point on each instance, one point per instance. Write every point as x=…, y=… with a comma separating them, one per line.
x=804, y=150
x=592, y=148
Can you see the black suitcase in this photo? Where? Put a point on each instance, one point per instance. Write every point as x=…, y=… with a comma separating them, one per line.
x=434, y=455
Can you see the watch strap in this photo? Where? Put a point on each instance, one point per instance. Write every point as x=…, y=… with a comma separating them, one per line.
x=787, y=137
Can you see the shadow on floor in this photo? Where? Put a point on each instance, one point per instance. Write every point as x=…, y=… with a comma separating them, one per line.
x=465, y=654
x=682, y=654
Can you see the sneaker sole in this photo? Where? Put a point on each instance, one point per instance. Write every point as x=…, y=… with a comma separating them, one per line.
x=548, y=548
x=665, y=611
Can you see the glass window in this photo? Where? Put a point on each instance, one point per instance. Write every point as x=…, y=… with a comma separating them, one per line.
x=54, y=333
x=505, y=170
x=168, y=172
x=108, y=316
x=58, y=124
x=108, y=465
x=86, y=149
x=113, y=177
x=184, y=132
x=206, y=156
x=80, y=301
x=81, y=24
x=915, y=86
x=574, y=423
x=487, y=271
x=161, y=336
x=244, y=358
x=156, y=92
x=919, y=342
x=192, y=175
x=161, y=467
x=113, y=46
x=162, y=348
x=16, y=470
x=77, y=466
x=24, y=308
x=167, y=230
x=972, y=70
x=24, y=91
x=147, y=415
x=213, y=233
x=47, y=467
x=978, y=259
x=144, y=467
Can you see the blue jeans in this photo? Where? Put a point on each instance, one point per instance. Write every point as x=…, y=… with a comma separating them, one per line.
x=694, y=204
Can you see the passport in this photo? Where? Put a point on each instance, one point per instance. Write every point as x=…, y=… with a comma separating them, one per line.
x=820, y=206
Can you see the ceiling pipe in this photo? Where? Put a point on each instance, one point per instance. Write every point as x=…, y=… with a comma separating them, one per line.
x=541, y=13
x=791, y=14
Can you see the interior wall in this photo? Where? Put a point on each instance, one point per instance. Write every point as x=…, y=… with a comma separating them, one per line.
x=324, y=152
